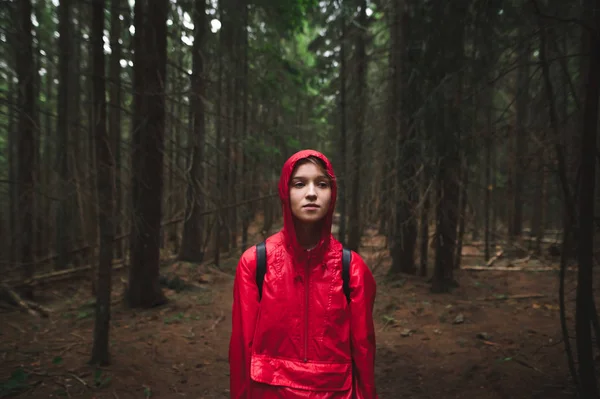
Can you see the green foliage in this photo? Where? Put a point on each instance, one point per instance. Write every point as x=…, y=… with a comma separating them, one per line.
x=16, y=384
x=84, y=314
x=174, y=319
x=287, y=16
x=101, y=380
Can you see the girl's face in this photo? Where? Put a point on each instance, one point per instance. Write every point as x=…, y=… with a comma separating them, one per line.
x=310, y=193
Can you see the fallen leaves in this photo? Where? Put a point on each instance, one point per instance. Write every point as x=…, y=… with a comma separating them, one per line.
x=546, y=306
x=407, y=332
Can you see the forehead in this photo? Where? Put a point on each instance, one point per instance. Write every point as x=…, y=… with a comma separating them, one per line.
x=308, y=169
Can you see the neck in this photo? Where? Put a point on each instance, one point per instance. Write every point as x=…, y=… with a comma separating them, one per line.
x=308, y=236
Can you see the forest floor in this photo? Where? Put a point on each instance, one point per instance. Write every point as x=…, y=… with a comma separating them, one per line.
x=495, y=336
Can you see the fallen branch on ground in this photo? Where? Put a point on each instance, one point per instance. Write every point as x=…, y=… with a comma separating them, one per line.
x=494, y=258
x=522, y=260
x=544, y=240
x=46, y=374
x=36, y=306
x=216, y=322
x=506, y=297
x=16, y=327
x=515, y=269
x=490, y=343
x=27, y=306
x=57, y=275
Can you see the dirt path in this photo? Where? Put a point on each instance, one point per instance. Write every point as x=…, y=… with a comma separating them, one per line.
x=475, y=342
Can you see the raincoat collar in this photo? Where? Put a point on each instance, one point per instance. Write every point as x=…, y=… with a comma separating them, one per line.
x=289, y=230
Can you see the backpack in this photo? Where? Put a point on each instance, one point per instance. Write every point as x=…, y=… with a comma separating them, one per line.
x=261, y=268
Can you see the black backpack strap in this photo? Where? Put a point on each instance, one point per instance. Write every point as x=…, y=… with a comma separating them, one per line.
x=346, y=259
x=261, y=266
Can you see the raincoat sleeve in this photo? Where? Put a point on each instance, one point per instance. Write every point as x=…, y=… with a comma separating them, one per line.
x=362, y=339
x=243, y=320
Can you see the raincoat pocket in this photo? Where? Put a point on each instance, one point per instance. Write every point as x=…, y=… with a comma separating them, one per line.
x=297, y=374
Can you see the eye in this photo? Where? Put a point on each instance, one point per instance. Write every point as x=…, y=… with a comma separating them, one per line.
x=298, y=184
x=323, y=184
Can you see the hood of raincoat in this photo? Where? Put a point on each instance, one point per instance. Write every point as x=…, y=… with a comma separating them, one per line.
x=289, y=230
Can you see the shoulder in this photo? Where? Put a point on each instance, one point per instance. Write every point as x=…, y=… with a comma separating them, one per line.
x=335, y=247
x=274, y=241
x=359, y=270
x=248, y=258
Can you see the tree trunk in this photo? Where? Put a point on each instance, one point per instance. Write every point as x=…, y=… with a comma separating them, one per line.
x=88, y=155
x=219, y=129
x=462, y=212
x=137, y=125
x=248, y=164
x=537, y=221
x=38, y=221
x=520, y=164
x=448, y=153
x=239, y=31
x=177, y=162
x=115, y=110
x=26, y=144
x=487, y=204
x=47, y=42
x=63, y=214
x=105, y=183
x=585, y=249
x=13, y=159
x=48, y=153
x=224, y=143
x=191, y=248
x=424, y=226
x=74, y=149
x=494, y=202
x=354, y=222
x=343, y=143
x=405, y=227
x=150, y=62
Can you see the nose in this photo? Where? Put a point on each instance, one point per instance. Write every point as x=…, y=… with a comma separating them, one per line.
x=312, y=192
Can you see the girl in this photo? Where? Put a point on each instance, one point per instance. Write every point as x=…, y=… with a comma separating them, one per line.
x=301, y=337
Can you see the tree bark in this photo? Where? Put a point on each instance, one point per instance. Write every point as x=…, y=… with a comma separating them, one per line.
x=462, y=212
x=537, y=221
x=14, y=242
x=115, y=109
x=248, y=164
x=354, y=222
x=405, y=227
x=585, y=249
x=343, y=143
x=26, y=144
x=63, y=213
x=448, y=152
x=74, y=148
x=105, y=183
x=191, y=248
x=487, y=204
x=520, y=139
x=424, y=226
x=150, y=65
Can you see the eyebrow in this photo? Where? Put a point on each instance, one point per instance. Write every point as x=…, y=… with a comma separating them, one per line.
x=304, y=177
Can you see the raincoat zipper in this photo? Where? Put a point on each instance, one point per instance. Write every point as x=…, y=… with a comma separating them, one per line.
x=306, y=309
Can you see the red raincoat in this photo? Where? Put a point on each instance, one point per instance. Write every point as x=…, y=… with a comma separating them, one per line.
x=303, y=339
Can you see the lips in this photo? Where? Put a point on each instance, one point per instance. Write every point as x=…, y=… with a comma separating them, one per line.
x=312, y=206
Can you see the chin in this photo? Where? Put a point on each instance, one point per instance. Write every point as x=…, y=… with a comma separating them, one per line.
x=311, y=220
